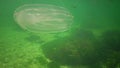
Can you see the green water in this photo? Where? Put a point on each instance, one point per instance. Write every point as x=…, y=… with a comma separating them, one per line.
x=92, y=42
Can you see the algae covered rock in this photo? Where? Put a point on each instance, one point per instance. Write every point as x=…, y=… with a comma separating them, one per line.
x=73, y=50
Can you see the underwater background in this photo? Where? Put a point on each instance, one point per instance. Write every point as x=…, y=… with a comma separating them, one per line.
x=93, y=41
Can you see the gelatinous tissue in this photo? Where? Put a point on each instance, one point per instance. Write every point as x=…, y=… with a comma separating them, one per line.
x=43, y=18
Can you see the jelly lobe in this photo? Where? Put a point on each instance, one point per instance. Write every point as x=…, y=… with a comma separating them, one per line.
x=43, y=18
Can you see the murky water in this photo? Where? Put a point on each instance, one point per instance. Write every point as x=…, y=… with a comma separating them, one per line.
x=93, y=41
